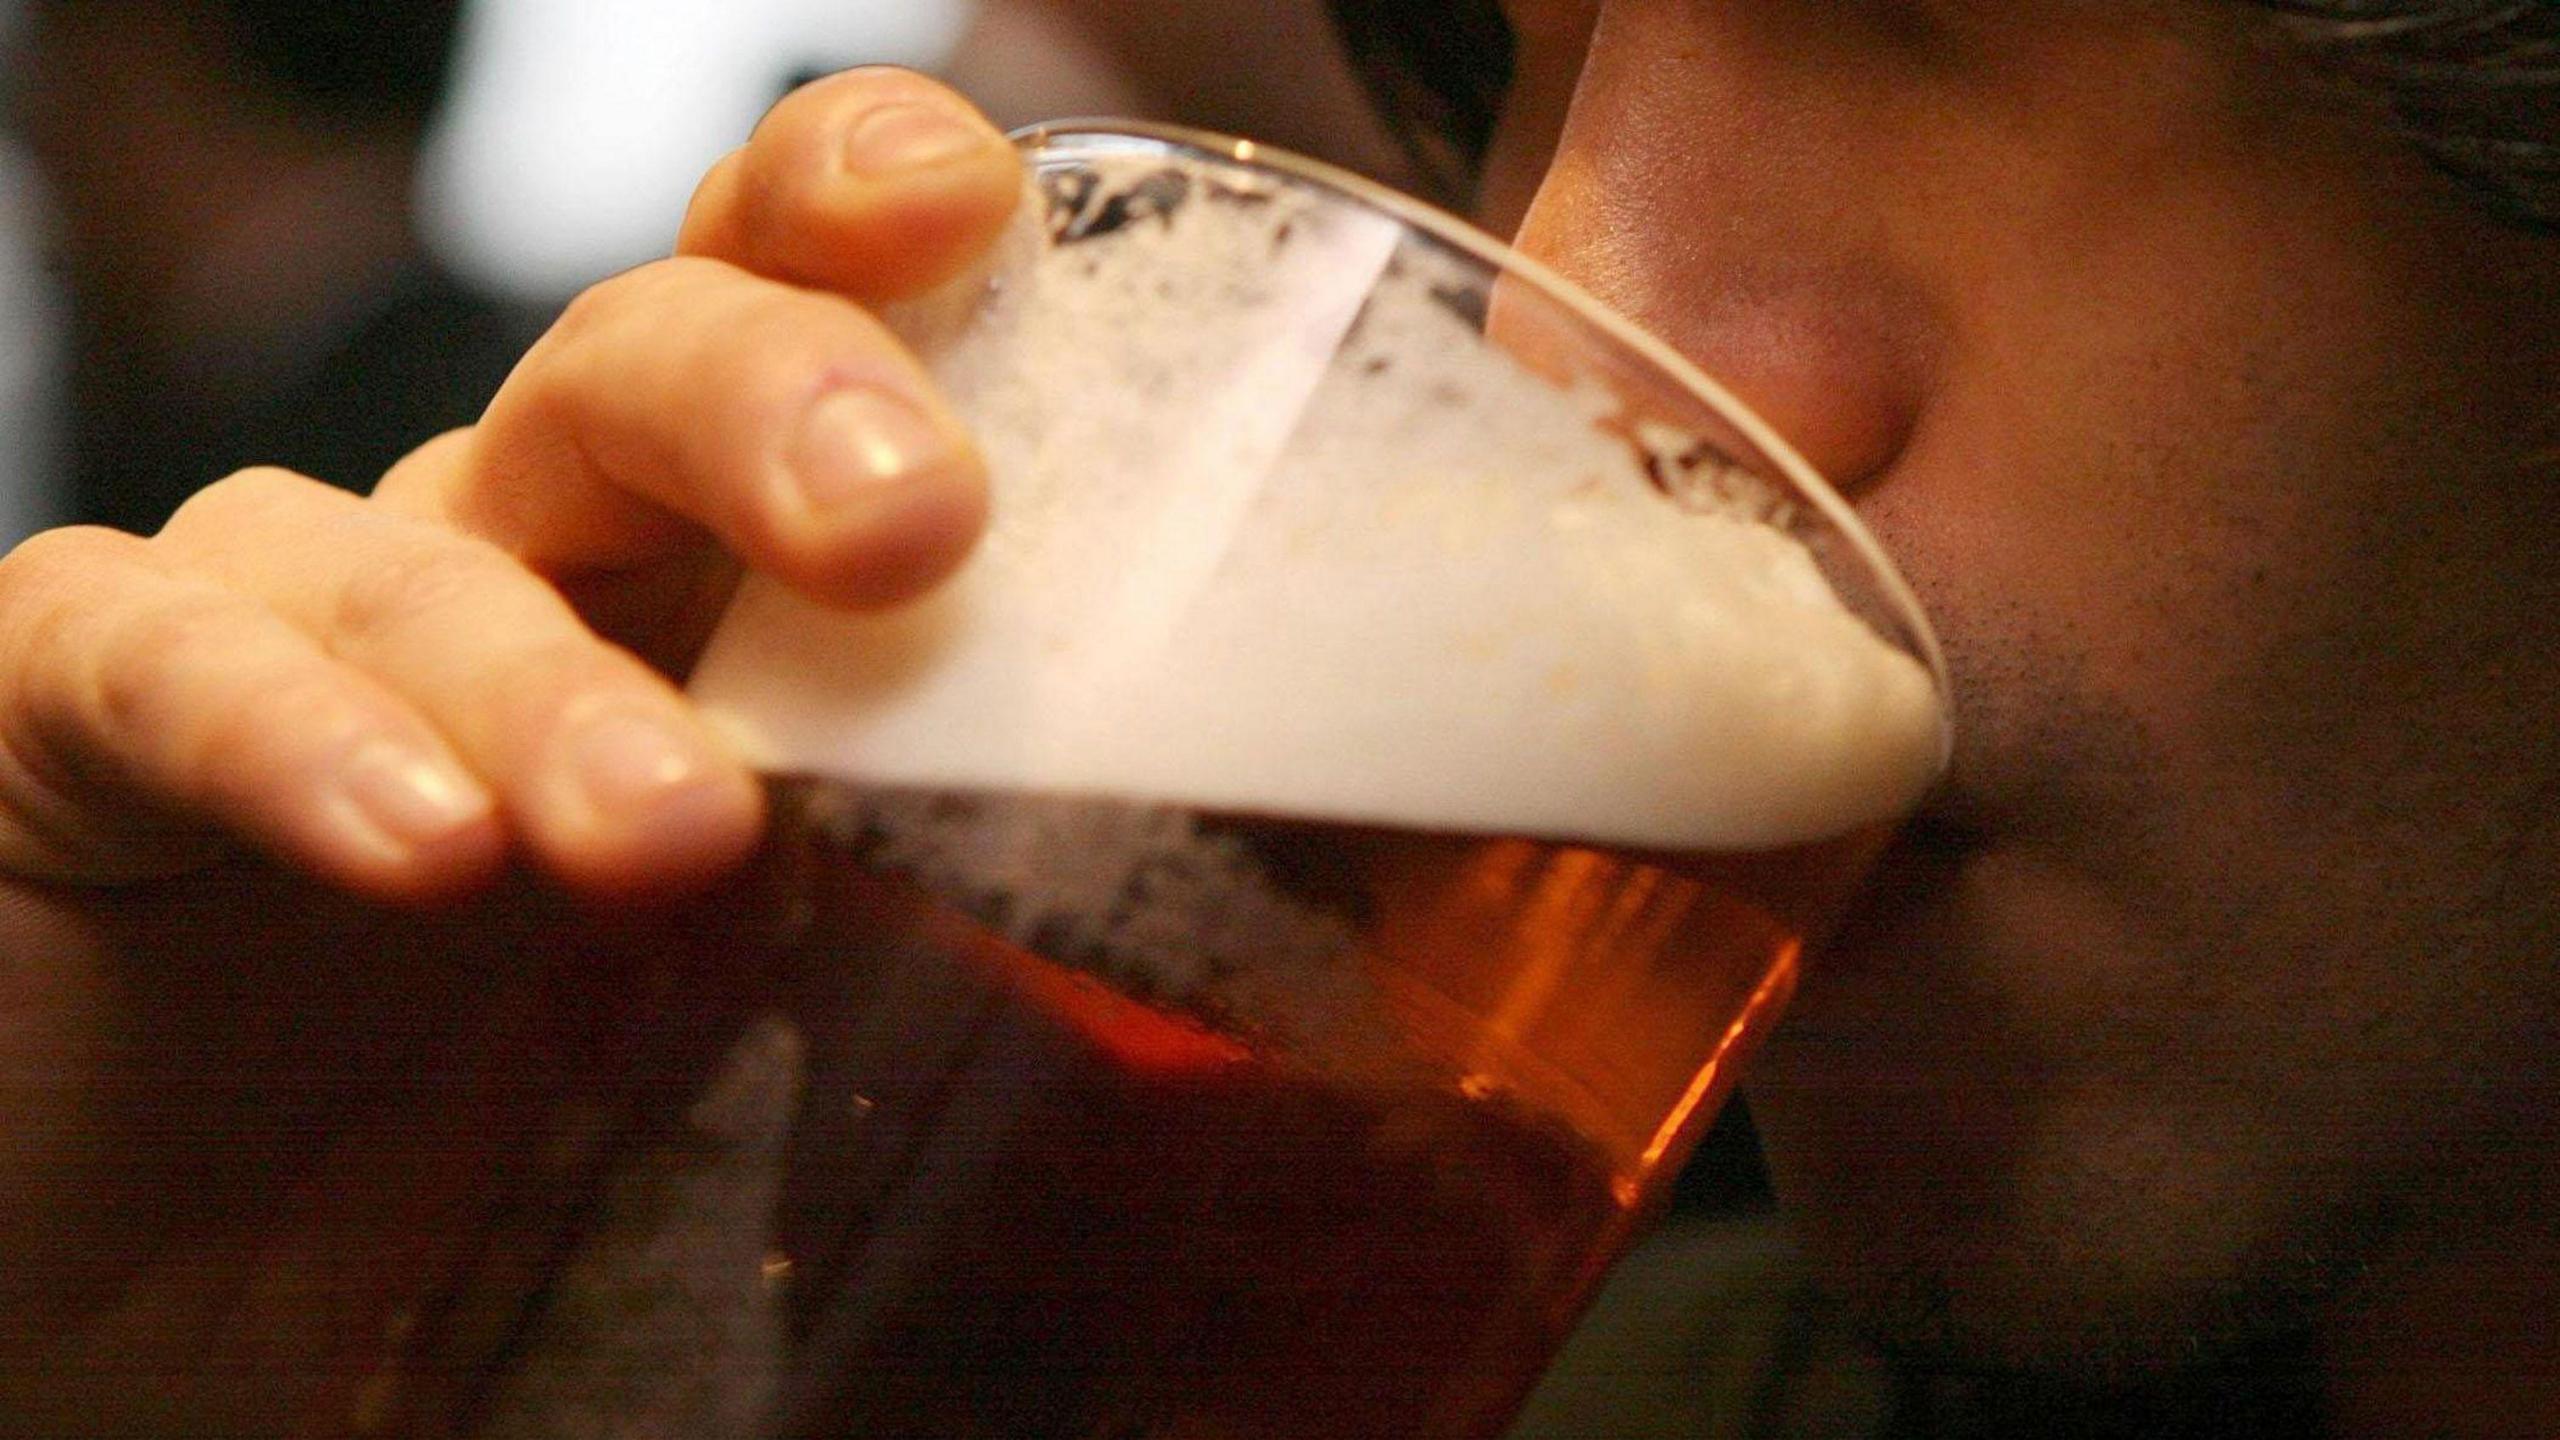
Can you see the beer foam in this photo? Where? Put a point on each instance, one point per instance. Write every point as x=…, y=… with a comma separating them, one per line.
x=1277, y=532
x=1171, y=906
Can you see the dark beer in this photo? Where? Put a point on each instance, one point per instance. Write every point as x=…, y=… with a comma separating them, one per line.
x=1300, y=1155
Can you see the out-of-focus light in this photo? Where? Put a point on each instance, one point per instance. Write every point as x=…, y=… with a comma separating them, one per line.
x=30, y=354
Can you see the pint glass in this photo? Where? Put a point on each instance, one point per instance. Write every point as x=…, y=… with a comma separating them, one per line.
x=1274, y=923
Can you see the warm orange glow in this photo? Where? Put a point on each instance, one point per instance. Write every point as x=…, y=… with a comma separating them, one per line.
x=1551, y=924
x=1139, y=1038
x=1767, y=999
x=1629, y=907
x=1495, y=869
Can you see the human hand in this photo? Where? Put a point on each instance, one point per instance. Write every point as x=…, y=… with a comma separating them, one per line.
x=280, y=1062
x=396, y=694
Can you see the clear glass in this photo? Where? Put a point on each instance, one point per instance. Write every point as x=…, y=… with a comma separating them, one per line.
x=1239, y=961
x=1277, y=922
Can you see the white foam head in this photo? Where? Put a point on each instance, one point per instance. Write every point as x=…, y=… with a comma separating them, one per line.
x=1276, y=531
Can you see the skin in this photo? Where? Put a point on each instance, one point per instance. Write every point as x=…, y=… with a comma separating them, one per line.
x=2202, y=1018
x=315, y=807
x=2211, y=1001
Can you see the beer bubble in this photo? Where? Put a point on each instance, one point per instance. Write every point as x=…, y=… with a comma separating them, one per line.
x=1152, y=897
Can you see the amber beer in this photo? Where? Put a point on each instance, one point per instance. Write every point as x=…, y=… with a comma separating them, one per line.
x=1282, y=1137
x=1282, y=910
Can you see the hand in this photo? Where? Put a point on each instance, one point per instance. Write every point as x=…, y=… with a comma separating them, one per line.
x=395, y=693
x=274, y=1048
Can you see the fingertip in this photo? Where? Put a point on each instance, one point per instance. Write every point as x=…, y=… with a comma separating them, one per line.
x=877, y=183
x=877, y=496
x=396, y=822
x=420, y=875
x=890, y=130
x=913, y=539
x=642, y=804
x=932, y=234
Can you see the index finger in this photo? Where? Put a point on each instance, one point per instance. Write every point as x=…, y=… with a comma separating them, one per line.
x=875, y=183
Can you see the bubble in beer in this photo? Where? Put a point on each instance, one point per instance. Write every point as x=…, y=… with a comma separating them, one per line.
x=1168, y=905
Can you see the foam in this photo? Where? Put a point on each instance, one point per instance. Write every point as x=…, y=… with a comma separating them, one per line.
x=1275, y=532
x=1171, y=908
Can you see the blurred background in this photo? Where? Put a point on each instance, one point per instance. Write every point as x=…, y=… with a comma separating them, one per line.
x=312, y=233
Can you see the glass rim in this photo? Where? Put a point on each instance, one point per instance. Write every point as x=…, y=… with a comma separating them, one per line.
x=1464, y=235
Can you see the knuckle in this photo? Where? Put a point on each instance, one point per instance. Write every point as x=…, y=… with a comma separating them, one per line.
x=423, y=471
x=749, y=345
x=54, y=627
x=138, y=670
x=583, y=368
x=257, y=488
x=572, y=661
x=548, y=684
x=236, y=743
x=35, y=571
x=586, y=312
x=787, y=346
x=642, y=291
x=414, y=586
x=244, y=496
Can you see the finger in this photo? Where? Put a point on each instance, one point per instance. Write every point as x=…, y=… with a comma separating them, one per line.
x=788, y=425
x=141, y=699
x=600, y=767
x=876, y=183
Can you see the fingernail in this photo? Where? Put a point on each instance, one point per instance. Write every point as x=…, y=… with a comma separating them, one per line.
x=407, y=797
x=626, y=762
x=909, y=135
x=857, y=440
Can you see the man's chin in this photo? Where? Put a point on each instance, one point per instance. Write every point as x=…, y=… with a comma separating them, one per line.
x=1992, y=1349
x=2273, y=1397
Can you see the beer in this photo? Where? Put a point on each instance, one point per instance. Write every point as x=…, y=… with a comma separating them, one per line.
x=1081, y=1160
x=1284, y=908
x=1279, y=913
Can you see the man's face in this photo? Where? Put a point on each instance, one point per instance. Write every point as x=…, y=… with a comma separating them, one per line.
x=2214, y=430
